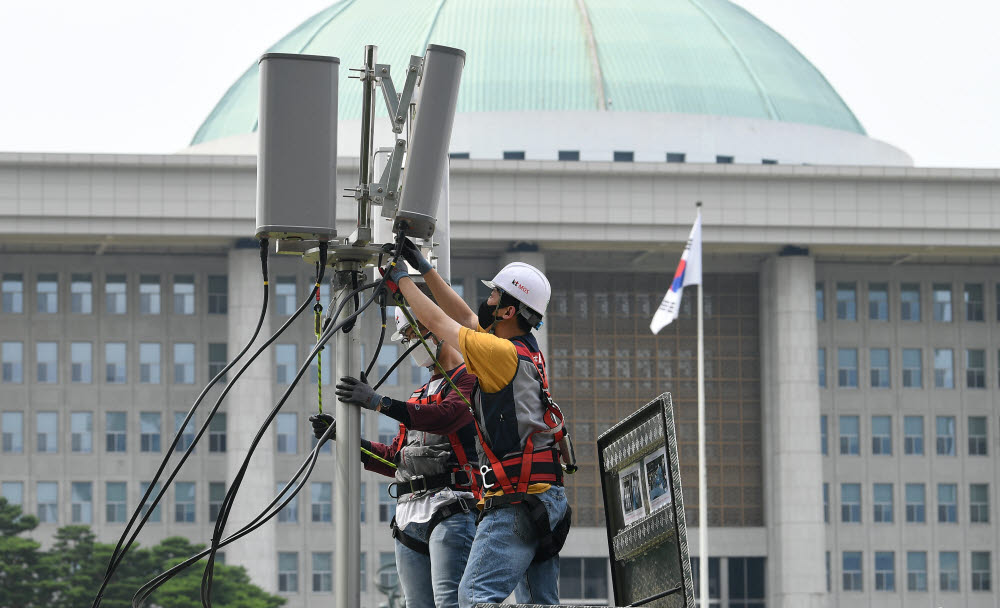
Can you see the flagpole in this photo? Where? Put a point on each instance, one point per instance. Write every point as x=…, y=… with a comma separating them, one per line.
x=703, y=595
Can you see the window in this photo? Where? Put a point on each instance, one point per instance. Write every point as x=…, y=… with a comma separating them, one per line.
x=942, y=302
x=289, y=514
x=149, y=432
x=981, y=571
x=459, y=155
x=115, y=291
x=714, y=586
x=820, y=303
x=81, y=356
x=149, y=362
x=676, y=157
x=979, y=503
x=585, y=578
x=623, y=156
x=882, y=500
x=973, y=295
x=847, y=367
x=217, y=433
x=388, y=576
x=183, y=294
x=826, y=503
x=81, y=426
x=217, y=360
x=945, y=435
x=218, y=294
x=880, y=367
x=12, y=354
x=361, y=497
x=386, y=357
x=944, y=366
x=823, y=434
x=852, y=571
x=287, y=435
x=909, y=301
x=47, y=292
x=821, y=366
x=184, y=363
x=12, y=424
x=47, y=358
x=513, y=155
x=882, y=435
x=849, y=435
x=47, y=435
x=47, y=495
x=321, y=501
x=187, y=435
x=12, y=292
x=216, y=494
x=288, y=572
x=115, y=431
x=912, y=368
x=850, y=503
x=948, y=568
x=386, y=503
x=81, y=502
x=947, y=503
x=13, y=491
x=916, y=501
x=149, y=294
x=768, y=161
x=363, y=569
x=284, y=291
x=184, y=502
x=913, y=435
x=878, y=301
x=977, y=436
x=569, y=155
x=724, y=160
x=885, y=571
x=115, y=510
x=154, y=517
x=847, y=302
x=387, y=430
x=284, y=355
x=975, y=368
x=114, y=363
x=916, y=571
x=322, y=572
x=81, y=294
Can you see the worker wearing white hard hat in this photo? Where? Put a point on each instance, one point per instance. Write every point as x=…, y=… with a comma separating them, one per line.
x=520, y=429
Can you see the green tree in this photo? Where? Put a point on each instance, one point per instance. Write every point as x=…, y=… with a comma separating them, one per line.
x=24, y=580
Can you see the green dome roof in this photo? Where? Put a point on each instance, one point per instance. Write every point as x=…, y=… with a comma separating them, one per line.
x=664, y=56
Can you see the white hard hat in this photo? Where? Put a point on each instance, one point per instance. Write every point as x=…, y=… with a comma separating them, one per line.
x=401, y=324
x=526, y=284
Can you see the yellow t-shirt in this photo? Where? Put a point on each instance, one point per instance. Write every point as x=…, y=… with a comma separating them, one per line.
x=494, y=361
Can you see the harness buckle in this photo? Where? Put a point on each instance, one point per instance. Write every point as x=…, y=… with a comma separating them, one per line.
x=418, y=491
x=484, y=470
x=389, y=490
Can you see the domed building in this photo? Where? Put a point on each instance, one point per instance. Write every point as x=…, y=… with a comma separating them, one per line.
x=852, y=306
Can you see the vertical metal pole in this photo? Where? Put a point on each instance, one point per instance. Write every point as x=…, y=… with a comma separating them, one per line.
x=347, y=481
x=703, y=598
x=367, y=142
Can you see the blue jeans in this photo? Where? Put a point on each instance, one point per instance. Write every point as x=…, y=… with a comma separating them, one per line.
x=431, y=581
x=500, y=560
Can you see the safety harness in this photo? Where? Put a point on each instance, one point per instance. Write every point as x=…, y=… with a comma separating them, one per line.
x=462, y=478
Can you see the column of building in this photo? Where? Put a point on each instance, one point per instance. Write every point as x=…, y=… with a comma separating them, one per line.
x=793, y=471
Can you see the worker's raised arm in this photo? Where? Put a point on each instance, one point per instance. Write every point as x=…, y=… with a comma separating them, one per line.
x=447, y=298
x=426, y=311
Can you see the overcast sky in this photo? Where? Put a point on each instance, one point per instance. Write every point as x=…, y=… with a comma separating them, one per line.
x=140, y=77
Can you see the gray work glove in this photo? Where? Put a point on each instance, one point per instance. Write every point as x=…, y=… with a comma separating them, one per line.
x=352, y=390
x=320, y=422
x=411, y=253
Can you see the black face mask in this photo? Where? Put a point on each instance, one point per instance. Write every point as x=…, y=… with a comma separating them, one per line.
x=485, y=314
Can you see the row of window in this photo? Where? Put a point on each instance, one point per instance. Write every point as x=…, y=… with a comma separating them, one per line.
x=911, y=362
x=116, y=292
x=618, y=156
x=945, y=444
x=909, y=299
x=917, y=573
x=115, y=362
x=883, y=501
x=185, y=504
